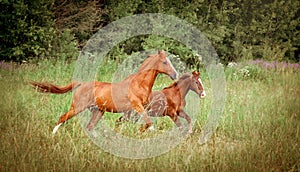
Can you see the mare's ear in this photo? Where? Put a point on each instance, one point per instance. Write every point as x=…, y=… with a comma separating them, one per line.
x=161, y=53
x=158, y=52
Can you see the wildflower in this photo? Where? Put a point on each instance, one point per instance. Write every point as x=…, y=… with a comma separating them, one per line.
x=231, y=64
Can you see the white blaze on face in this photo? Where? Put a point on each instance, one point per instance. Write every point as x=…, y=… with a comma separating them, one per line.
x=168, y=60
x=203, y=94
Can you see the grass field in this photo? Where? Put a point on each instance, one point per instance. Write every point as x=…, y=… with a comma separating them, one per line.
x=259, y=129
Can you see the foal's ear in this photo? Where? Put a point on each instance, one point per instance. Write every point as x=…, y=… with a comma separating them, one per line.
x=196, y=74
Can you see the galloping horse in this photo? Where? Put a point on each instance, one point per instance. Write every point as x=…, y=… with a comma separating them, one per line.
x=171, y=100
x=130, y=94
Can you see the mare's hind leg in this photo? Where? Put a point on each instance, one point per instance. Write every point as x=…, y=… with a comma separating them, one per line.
x=124, y=117
x=96, y=116
x=72, y=112
x=188, y=119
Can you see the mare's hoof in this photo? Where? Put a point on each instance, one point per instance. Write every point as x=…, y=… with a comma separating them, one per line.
x=151, y=128
x=143, y=128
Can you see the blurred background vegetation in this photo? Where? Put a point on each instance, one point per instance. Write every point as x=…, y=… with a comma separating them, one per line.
x=239, y=29
x=259, y=130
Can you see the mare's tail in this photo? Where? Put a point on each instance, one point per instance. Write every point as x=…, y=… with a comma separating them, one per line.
x=50, y=88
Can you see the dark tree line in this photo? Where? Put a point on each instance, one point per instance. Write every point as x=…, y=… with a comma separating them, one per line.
x=239, y=29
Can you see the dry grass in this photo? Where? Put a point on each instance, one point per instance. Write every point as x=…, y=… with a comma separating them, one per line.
x=259, y=130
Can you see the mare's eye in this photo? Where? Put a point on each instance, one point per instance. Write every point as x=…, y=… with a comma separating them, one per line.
x=165, y=62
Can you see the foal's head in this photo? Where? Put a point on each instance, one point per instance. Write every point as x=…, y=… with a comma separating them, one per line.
x=161, y=63
x=197, y=85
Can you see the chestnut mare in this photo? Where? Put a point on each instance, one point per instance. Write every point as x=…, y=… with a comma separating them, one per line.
x=171, y=100
x=130, y=94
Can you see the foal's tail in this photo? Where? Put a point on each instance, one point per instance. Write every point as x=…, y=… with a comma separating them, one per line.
x=50, y=88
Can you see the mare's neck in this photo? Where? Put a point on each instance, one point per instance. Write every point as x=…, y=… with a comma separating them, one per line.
x=147, y=77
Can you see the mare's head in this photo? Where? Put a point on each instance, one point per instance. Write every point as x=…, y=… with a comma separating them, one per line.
x=161, y=63
x=197, y=85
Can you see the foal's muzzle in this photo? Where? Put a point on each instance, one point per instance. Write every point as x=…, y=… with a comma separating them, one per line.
x=202, y=95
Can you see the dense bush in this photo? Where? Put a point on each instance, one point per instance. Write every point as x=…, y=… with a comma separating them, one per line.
x=237, y=29
x=28, y=33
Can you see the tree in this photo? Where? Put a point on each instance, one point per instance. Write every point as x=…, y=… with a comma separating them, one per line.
x=26, y=29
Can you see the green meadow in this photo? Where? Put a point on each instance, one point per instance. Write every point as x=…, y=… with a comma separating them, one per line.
x=259, y=129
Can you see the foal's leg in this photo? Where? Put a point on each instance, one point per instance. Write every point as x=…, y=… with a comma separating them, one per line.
x=96, y=116
x=176, y=120
x=188, y=119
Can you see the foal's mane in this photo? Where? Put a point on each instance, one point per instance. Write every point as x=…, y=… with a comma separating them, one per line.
x=183, y=77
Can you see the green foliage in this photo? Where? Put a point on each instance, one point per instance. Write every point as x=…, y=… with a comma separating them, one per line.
x=64, y=46
x=26, y=29
x=248, y=72
x=238, y=30
x=117, y=9
x=82, y=18
x=28, y=33
x=184, y=53
x=268, y=30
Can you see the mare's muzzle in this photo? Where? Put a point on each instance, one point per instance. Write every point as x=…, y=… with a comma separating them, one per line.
x=173, y=75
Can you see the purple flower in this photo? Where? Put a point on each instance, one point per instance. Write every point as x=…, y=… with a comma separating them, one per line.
x=275, y=65
x=296, y=66
x=4, y=66
x=267, y=65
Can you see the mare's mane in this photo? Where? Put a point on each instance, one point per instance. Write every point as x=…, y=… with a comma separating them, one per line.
x=146, y=61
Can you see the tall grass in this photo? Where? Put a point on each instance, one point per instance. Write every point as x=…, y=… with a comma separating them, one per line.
x=259, y=130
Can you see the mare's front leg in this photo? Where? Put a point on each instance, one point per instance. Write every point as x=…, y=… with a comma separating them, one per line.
x=187, y=118
x=141, y=111
x=96, y=116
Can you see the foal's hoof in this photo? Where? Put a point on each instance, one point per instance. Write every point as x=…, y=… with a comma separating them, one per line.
x=93, y=134
x=190, y=129
x=90, y=127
